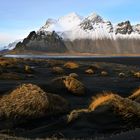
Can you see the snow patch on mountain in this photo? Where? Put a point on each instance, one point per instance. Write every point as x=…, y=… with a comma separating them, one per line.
x=73, y=26
x=12, y=45
x=64, y=23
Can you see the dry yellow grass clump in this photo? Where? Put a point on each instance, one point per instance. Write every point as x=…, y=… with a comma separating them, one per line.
x=135, y=95
x=30, y=101
x=122, y=106
x=28, y=69
x=4, y=62
x=58, y=70
x=69, y=83
x=104, y=73
x=8, y=62
x=71, y=65
x=74, y=86
x=74, y=114
x=99, y=100
x=121, y=74
x=95, y=67
x=137, y=74
x=74, y=75
x=89, y=71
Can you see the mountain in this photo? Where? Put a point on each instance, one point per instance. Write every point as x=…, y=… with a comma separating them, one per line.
x=12, y=45
x=91, y=34
x=64, y=23
x=42, y=41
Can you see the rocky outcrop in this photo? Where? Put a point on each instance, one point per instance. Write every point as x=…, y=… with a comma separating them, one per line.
x=95, y=18
x=93, y=22
x=86, y=25
x=136, y=28
x=124, y=28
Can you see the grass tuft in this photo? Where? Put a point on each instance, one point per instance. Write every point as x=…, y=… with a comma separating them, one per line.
x=122, y=106
x=71, y=65
x=30, y=101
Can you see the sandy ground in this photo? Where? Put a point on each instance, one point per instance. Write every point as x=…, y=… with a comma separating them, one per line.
x=103, y=125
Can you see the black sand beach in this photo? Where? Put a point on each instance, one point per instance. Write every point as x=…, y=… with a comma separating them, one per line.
x=116, y=74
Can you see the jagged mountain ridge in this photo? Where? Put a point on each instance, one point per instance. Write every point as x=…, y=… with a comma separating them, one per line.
x=92, y=34
x=73, y=27
x=43, y=41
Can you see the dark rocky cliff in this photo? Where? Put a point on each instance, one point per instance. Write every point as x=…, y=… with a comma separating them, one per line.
x=51, y=42
x=105, y=46
x=43, y=42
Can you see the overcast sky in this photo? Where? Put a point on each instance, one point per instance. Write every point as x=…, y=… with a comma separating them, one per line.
x=19, y=17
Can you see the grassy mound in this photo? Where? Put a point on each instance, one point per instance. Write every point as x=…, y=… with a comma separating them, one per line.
x=121, y=75
x=74, y=114
x=57, y=70
x=109, y=102
x=135, y=95
x=8, y=62
x=30, y=101
x=74, y=75
x=4, y=62
x=71, y=65
x=58, y=83
x=28, y=69
x=137, y=74
x=95, y=67
x=74, y=86
x=89, y=71
x=70, y=84
x=122, y=106
x=104, y=73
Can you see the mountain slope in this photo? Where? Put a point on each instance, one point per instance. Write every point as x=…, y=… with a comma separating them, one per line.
x=92, y=34
x=64, y=23
x=42, y=41
x=73, y=27
x=12, y=45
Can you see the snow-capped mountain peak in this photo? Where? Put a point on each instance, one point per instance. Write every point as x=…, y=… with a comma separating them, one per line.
x=12, y=45
x=136, y=28
x=50, y=21
x=70, y=17
x=73, y=26
x=91, y=34
x=69, y=21
x=64, y=23
x=49, y=25
x=95, y=18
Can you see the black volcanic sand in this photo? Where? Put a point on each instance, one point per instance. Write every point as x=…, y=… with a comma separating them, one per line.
x=101, y=125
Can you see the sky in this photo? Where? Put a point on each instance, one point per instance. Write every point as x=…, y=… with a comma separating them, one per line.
x=19, y=17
